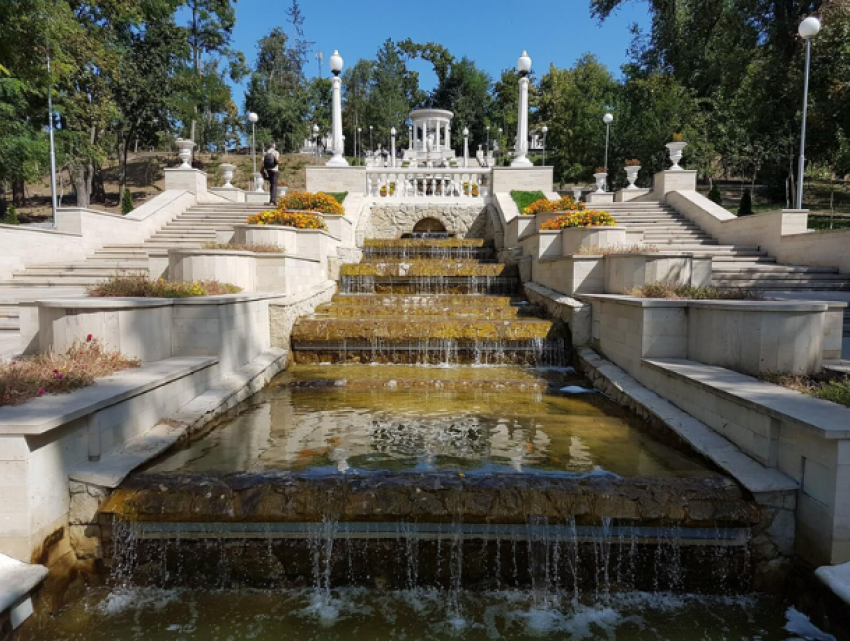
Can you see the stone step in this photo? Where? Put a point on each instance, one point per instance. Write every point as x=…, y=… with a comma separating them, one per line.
x=781, y=285
x=733, y=262
x=79, y=271
x=331, y=311
x=10, y=324
x=98, y=264
x=773, y=269
x=9, y=311
x=490, y=285
x=368, y=301
x=404, y=329
x=427, y=269
x=51, y=281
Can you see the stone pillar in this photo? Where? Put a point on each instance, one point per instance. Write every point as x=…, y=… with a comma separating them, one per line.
x=522, y=127
x=437, y=134
x=448, y=136
x=338, y=159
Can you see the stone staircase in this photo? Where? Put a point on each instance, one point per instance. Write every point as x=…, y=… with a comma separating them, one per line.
x=191, y=229
x=739, y=266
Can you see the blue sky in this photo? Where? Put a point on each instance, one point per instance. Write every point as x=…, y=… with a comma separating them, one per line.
x=490, y=32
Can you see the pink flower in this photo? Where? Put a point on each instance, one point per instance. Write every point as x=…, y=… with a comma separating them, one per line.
x=88, y=338
x=60, y=376
x=41, y=392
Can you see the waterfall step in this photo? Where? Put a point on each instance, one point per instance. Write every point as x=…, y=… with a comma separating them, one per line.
x=470, y=285
x=427, y=269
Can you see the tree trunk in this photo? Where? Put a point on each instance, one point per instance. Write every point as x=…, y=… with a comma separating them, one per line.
x=98, y=192
x=3, y=205
x=19, y=195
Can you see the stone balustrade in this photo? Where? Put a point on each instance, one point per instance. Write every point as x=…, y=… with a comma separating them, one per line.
x=427, y=182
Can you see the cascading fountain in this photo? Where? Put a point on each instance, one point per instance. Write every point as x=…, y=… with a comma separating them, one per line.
x=422, y=472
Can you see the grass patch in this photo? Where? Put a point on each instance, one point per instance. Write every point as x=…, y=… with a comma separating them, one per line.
x=260, y=248
x=833, y=388
x=33, y=376
x=338, y=195
x=524, y=198
x=617, y=249
x=144, y=287
x=687, y=292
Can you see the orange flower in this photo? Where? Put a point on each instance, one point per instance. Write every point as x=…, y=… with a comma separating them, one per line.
x=589, y=218
x=544, y=205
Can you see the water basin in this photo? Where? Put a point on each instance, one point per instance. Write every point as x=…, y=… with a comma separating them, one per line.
x=339, y=419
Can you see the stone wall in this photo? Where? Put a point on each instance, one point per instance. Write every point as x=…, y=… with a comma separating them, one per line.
x=284, y=313
x=393, y=220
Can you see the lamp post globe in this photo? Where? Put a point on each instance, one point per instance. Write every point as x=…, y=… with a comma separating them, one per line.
x=808, y=29
x=544, y=130
x=608, y=119
x=523, y=65
x=336, y=62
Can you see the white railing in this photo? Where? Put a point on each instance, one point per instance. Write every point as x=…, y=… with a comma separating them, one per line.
x=426, y=182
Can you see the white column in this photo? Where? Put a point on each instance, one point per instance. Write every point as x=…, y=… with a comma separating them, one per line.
x=448, y=137
x=338, y=159
x=522, y=127
x=410, y=133
x=392, y=150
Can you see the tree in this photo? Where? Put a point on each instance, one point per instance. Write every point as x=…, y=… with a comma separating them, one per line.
x=714, y=194
x=127, y=202
x=465, y=91
x=277, y=90
x=745, y=207
x=392, y=92
x=356, y=87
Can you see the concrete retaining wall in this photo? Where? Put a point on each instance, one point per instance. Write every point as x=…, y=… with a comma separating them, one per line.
x=466, y=220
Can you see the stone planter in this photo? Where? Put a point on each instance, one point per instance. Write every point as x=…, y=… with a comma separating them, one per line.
x=224, y=265
x=340, y=227
x=184, y=151
x=623, y=272
x=258, y=181
x=570, y=275
x=577, y=194
x=227, y=173
x=632, y=175
x=575, y=238
x=516, y=228
x=676, y=149
x=600, y=178
x=284, y=237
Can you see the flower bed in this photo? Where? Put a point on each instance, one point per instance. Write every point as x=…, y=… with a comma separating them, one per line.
x=588, y=218
x=307, y=201
x=144, y=287
x=686, y=292
x=524, y=198
x=33, y=376
x=829, y=387
x=296, y=219
x=617, y=250
x=545, y=206
x=259, y=248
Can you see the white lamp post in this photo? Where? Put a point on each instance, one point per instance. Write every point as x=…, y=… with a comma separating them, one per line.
x=316, y=142
x=360, y=139
x=545, y=131
x=338, y=159
x=500, y=143
x=253, y=118
x=808, y=29
x=607, y=119
x=523, y=67
x=410, y=137
x=488, y=140
x=465, y=147
x=371, y=146
x=392, y=147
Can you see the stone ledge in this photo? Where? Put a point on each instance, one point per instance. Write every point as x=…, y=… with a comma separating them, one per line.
x=17, y=580
x=837, y=579
x=115, y=467
x=48, y=412
x=725, y=305
x=751, y=474
x=831, y=420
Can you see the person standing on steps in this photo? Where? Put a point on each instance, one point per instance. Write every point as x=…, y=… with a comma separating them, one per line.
x=271, y=167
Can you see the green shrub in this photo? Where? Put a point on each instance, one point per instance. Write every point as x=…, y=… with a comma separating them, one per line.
x=688, y=292
x=339, y=196
x=11, y=217
x=714, y=194
x=127, y=202
x=524, y=198
x=745, y=207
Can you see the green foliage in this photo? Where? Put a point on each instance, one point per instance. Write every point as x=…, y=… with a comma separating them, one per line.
x=11, y=217
x=127, y=202
x=524, y=198
x=338, y=195
x=745, y=207
x=714, y=194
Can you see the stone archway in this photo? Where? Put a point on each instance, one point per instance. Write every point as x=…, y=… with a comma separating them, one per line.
x=429, y=226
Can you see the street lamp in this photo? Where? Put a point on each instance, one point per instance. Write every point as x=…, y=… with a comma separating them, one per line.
x=371, y=146
x=523, y=67
x=501, y=153
x=808, y=29
x=360, y=142
x=466, y=147
x=316, y=142
x=392, y=147
x=545, y=131
x=338, y=160
x=253, y=118
x=608, y=118
x=488, y=139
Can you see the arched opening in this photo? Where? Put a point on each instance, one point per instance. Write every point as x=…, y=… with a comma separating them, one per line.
x=429, y=226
